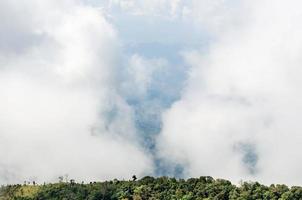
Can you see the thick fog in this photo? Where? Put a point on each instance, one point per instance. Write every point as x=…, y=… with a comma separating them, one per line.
x=106, y=89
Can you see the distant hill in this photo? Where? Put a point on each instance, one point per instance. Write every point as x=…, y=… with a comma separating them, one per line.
x=150, y=188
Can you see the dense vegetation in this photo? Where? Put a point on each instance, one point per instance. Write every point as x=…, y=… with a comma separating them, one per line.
x=162, y=188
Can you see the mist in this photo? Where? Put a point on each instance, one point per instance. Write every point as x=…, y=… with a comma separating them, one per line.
x=58, y=87
x=98, y=90
x=238, y=117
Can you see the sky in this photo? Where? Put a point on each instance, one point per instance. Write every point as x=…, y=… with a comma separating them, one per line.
x=104, y=89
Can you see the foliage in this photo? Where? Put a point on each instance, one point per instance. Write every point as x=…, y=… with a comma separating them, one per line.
x=162, y=188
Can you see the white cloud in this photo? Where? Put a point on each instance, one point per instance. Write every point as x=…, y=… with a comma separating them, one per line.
x=242, y=97
x=62, y=97
x=169, y=8
x=214, y=16
x=140, y=74
x=60, y=113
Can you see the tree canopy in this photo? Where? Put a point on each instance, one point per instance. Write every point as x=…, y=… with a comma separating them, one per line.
x=150, y=188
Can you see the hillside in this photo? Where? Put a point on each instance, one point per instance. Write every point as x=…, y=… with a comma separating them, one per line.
x=162, y=188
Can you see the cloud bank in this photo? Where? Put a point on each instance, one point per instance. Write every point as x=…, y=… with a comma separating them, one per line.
x=188, y=88
x=60, y=113
x=239, y=116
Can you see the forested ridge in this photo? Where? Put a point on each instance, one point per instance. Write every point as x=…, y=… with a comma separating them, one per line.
x=162, y=188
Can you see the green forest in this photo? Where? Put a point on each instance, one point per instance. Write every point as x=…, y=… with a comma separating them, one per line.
x=162, y=188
